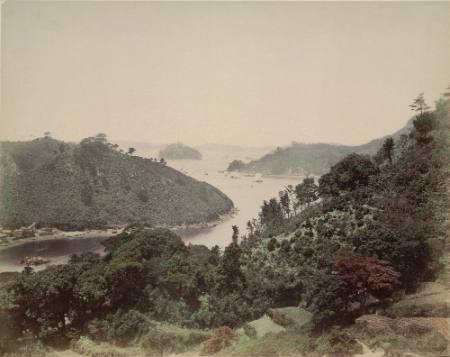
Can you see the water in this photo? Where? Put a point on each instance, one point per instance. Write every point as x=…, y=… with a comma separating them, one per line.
x=246, y=193
x=58, y=251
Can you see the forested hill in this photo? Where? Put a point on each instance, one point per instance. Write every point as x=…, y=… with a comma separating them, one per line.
x=93, y=184
x=179, y=151
x=308, y=159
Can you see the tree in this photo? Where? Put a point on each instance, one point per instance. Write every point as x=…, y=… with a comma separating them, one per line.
x=231, y=276
x=424, y=124
x=163, y=162
x=419, y=105
x=290, y=190
x=43, y=301
x=285, y=202
x=388, y=148
x=306, y=192
x=348, y=174
x=271, y=215
x=273, y=244
x=326, y=298
x=235, y=235
x=47, y=134
x=131, y=151
x=101, y=137
x=424, y=121
x=364, y=276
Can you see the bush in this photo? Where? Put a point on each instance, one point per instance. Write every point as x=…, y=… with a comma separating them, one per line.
x=222, y=337
x=272, y=245
x=337, y=341
x=121, y=328
x=250, y=331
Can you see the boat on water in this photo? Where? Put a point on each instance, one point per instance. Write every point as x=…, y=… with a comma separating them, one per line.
x=258, y=178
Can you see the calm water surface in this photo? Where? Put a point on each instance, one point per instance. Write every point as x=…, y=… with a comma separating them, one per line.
x=57, y=250
x=246, y=193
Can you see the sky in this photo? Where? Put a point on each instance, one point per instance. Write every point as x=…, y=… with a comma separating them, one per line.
x=245, y=73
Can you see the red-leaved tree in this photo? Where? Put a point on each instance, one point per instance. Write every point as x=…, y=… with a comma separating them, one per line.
x=365, y=275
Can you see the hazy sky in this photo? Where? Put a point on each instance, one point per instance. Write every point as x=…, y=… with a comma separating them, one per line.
x=241, y=73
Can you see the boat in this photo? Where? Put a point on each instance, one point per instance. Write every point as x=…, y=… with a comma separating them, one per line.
x=258, y=178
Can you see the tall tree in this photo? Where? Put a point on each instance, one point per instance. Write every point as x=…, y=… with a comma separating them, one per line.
x=388, y=149
x=419, y=105
x=285, y=202
x=235, y=235
x=231, y=275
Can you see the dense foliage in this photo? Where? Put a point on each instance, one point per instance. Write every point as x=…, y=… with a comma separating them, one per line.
x=340, y=248
x=93, y=184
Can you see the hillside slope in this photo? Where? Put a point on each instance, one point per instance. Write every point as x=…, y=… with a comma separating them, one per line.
x=305, y=159
x=92, y=184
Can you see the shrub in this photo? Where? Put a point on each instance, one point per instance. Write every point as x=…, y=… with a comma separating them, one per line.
x=122, y=328
x=222, y=337
x=272, y=245
x=337, y=341
x=250, y=331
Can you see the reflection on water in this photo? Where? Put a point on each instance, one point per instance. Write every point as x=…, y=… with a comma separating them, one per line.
x=246, y=193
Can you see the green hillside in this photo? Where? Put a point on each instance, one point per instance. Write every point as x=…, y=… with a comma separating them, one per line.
x=93, y=184
x=307, y=159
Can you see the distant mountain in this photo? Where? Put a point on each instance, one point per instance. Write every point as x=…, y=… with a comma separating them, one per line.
x=304, y=159
x=93, y=185
x=179, y=151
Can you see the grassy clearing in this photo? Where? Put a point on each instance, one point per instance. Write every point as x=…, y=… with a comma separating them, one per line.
x=166, y=339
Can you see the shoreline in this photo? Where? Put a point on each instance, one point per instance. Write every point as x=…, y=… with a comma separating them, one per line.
x=88, y=234
x=274, y=176
x=110, y=232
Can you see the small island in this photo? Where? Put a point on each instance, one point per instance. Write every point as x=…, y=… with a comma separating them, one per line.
x=179, y=151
